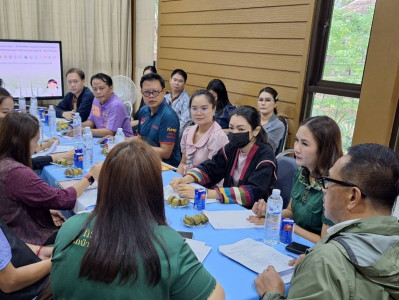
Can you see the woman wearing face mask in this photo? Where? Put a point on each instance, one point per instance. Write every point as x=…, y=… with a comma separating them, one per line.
x=247, y=164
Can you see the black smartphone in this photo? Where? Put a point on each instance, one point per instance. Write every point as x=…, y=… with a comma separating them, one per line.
x=296, y=248
x=186, y=234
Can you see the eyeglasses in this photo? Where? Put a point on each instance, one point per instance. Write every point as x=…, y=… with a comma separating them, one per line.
x=325, y=179
x=195, y=110
x=148, y=93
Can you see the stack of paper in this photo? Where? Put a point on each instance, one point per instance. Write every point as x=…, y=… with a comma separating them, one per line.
x=199, y=248
x=230, y=219
x=257, y=256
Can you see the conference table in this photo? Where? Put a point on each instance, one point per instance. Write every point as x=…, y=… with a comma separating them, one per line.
x=237, y=280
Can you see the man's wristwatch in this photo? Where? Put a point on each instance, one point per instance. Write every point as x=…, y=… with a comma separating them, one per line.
x=90, y=178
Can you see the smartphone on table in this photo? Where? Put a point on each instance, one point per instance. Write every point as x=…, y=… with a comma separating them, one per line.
x=296, y=248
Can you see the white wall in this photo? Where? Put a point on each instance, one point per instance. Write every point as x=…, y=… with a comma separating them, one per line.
x=145, y=37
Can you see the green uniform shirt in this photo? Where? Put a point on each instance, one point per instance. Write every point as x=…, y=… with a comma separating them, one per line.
x=307, y=203
x=188, y=279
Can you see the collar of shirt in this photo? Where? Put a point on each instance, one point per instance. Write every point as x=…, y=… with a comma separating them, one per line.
x=305, y=181
x=79, y=94
x=105, y=105
x=148, y=109
x=339, y=226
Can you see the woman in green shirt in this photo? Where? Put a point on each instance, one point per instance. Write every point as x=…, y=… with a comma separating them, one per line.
x=125, y=249
x=317, y=147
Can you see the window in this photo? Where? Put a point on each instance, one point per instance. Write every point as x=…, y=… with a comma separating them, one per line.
x=336, y=63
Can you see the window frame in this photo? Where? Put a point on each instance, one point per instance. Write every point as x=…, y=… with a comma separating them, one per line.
x=317, y=55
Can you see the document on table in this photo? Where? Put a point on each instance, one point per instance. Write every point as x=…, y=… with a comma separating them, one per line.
x=47, y=151
x=86, y=201
x=199, y=248
x=230, y=219
x=61, y=149
x=64, y=184
x=168, y=191
x=257, y=256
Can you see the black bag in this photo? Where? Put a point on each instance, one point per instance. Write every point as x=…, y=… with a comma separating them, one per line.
x=22, y=255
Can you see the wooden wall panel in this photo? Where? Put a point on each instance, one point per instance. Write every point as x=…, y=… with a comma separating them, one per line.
x=247, y=44
x=261, y=46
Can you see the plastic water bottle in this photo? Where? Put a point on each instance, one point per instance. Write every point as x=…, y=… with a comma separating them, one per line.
x=119, y=136
x=88, y=146
x=22, y=104
x=34, y=112
x=33, y=106
x=77, y=127
x=52, y=120
x=273, y=218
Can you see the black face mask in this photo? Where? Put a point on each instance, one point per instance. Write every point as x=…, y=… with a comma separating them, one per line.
x=240, y=139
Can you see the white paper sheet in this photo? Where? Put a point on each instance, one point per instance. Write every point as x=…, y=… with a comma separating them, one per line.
x=257, y=256
x=168, y=191
x=199, y=248
x=61, y=149
x=68, y=183
x=230, y=219
x=47, y=151
x=86, y=200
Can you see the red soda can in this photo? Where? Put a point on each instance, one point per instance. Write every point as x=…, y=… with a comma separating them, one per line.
x=200, y=198
x=286, y=230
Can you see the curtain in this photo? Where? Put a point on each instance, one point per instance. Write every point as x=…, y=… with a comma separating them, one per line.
x=96, y=35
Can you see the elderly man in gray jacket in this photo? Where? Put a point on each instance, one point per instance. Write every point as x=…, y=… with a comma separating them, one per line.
x=358, y=259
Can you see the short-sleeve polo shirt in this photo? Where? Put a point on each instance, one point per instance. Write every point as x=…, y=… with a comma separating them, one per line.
x=161, y=128
x=5, y=251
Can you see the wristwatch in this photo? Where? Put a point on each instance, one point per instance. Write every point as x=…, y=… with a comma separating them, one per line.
x=90, y=178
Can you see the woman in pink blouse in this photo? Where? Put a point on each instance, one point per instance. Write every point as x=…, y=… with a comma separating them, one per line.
x=202, y=140
x=25, y=199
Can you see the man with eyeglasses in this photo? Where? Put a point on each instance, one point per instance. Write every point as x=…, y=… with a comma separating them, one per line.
x=158, y=122
x=79, y=99
x=359, y=258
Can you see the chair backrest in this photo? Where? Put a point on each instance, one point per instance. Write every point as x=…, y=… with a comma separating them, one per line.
x=129, y=108
x=286, y=167
x=281, y=145
x=286, y=152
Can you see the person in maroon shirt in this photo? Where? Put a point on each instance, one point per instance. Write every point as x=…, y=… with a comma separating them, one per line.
x=25, y=199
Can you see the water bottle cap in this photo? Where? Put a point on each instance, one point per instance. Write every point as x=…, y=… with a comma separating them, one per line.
x=87, y=128
x=51, y=106
x=119, y=129
x=276, y=192
x=76, y=114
